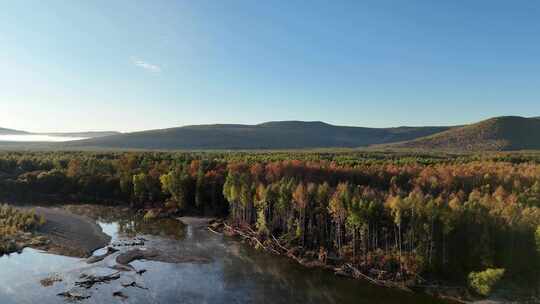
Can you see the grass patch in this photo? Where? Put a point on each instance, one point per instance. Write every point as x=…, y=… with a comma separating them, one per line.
x=17, y=228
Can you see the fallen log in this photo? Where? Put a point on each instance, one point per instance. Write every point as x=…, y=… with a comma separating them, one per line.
x=134, y=284
x=256, y=240
x=246, y=236
x=346, y=269
x=288, y=252
x=358, y=274
x=277, y=242
x=91, y=280
x=73, y=296
x=213, y=231
x=120, y=295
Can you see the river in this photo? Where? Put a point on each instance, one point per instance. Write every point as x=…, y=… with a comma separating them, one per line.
x=236, y=274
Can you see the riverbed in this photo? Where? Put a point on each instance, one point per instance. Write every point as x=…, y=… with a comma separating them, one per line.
x=232, y=272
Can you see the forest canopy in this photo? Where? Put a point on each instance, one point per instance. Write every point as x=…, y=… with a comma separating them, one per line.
x=440, y=215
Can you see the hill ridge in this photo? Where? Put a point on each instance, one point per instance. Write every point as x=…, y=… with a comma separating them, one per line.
x=501, y=133
x=493, y=134
x=6, y=131
x=291, y=134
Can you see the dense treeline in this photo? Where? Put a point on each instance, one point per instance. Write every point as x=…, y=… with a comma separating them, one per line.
x=403, y=214
x=445, y=219
x=178, y=181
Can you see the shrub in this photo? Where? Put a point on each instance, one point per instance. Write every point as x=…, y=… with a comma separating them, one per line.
x=151, y=214
x=482, y=282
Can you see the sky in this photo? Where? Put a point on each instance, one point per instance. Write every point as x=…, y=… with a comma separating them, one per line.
x=134, y=65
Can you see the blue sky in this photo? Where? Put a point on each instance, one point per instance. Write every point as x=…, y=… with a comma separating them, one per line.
x=134, y=65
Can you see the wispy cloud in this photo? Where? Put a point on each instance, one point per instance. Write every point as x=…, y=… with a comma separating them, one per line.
x=154, y=68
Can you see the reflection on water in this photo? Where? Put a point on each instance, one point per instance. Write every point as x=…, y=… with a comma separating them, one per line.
x=237, y=273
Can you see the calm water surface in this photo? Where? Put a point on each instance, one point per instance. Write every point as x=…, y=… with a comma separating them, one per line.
x=237, y=273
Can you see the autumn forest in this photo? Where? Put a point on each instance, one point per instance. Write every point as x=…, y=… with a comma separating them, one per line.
x=407, y=218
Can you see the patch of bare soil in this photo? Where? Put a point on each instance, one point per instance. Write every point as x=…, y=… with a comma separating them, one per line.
x=70, y=234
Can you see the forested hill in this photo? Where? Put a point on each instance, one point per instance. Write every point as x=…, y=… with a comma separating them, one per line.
x=496, y=134
x=506, y=133
x=270, y=135
x=4, y=131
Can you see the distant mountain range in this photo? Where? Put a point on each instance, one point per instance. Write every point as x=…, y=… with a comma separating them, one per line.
x=4, y=131
x=496, y=134
x=90, y=134
x=270, y=135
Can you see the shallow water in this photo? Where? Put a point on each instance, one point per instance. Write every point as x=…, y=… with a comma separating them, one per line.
x=237, y=273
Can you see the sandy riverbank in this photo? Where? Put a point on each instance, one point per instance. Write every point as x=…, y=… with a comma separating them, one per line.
x=70, y=234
